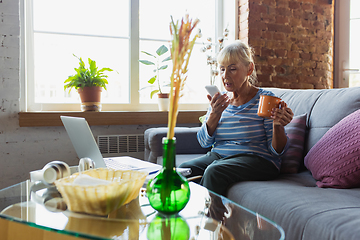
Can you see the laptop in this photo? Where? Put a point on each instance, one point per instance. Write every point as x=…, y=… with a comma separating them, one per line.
x=85, y=146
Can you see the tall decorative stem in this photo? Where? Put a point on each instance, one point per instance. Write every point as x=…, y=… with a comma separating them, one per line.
x=169, y=192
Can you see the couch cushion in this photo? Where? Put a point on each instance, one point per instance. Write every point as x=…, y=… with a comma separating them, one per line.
x=334, y=160
x=295, y=130
x=294, y=202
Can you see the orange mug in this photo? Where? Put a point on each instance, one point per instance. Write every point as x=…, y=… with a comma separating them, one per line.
x=266, y=104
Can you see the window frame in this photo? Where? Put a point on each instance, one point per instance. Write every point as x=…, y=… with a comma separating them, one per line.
x=27, y=97
x=341, y=43
x=342, y=69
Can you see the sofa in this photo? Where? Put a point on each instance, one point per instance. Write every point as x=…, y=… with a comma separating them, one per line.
x=302, y=201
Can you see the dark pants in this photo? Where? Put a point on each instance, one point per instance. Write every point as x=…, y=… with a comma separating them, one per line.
x=220, y=173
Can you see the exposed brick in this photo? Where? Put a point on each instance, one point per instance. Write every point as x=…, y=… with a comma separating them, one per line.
x=309, y=16
x=297, y=62
x=297, y=14
x=322, y=65
x=307, y=72
x=323, y=2
x=280, y=70
x=310, y=1
x=295, y=22
x=267, y=35
x=318, y=25
x=305, y=56
x=257, y=51
x=263, y=78
x=322, y=48
x=255, y=33
x=279, y=28
x=283, y=11
x=266, y=69
x=306, y=23
x=280, y=52
x=320, y=72
x=275, y=61
x=258, y=25
x=268, y=18
x=307, y=7
x=276, y=45
x=260, y=61
x=269, y=2
x=257, y=43
x=296, y=45
x=258, y=9
x=292, y=54
x=317, y=57
x=279, y=36
x=309, y=64
x=294, y=5
x=282, y=19
x=318, y=9
x=282, y=3
x=283, y=79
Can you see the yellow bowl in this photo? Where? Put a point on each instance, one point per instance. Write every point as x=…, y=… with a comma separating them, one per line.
x=101, y=199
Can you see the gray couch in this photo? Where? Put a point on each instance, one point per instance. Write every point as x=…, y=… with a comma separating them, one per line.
x=293, y=201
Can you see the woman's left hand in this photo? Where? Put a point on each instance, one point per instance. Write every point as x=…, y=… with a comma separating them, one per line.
x=282, y=115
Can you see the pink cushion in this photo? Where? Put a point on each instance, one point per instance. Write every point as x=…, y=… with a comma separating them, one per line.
x=295, y=130
x=335, y=159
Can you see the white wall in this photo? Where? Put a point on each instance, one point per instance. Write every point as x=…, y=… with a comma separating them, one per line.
x=26, y=149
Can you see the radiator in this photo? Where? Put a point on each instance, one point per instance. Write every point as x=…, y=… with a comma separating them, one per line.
x=122, y=145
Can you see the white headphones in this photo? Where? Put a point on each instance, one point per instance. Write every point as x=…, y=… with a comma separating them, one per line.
x=57, y=169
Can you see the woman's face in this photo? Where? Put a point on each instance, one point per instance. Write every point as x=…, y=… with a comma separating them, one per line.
x=234, y=76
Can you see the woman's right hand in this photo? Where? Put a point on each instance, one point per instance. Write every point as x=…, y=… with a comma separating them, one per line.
x=218, y=103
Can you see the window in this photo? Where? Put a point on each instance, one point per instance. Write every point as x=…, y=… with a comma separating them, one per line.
x=347, y=50
x=113, y=33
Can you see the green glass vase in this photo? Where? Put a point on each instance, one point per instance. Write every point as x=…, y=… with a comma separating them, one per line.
x=169, y=191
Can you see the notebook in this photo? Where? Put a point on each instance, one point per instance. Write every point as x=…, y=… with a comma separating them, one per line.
x=85, y=146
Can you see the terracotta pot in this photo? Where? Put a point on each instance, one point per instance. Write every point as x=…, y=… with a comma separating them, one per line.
x=90, y=94
x=90, y=98
x=163, y=101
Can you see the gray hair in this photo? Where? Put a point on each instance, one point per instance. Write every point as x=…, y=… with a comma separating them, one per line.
x=238, y=52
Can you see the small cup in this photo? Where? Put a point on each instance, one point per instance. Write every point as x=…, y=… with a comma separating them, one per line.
x=266, y=104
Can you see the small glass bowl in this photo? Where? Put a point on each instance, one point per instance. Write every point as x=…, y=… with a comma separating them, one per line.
x=101, y=199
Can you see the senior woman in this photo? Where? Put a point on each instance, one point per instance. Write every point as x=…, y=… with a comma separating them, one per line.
x=244, y=146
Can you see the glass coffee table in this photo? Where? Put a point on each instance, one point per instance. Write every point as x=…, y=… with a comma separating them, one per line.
x=206, y=216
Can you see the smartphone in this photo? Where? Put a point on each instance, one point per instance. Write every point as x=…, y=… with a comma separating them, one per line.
x=212, y=89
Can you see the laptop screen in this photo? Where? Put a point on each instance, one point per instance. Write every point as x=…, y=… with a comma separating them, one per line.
x=83, y=140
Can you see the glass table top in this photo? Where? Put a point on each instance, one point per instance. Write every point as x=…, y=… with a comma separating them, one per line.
x=206, y=216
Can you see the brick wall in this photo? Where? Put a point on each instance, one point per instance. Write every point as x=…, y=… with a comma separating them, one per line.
x=292, y=40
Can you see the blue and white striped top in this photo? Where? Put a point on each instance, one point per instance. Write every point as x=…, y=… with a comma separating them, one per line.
x=241, y=130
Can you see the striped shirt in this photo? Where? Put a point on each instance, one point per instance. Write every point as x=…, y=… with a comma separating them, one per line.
x=241, y=130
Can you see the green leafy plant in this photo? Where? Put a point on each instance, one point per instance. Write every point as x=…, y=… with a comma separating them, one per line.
x=158, y=66
x=87, y=77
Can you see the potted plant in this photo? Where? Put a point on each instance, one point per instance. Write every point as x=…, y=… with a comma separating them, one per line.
x=163, y=98
x=89, y=83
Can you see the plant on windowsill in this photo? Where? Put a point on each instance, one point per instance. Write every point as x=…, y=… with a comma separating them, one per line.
x=163, y=98
x=89, y=83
